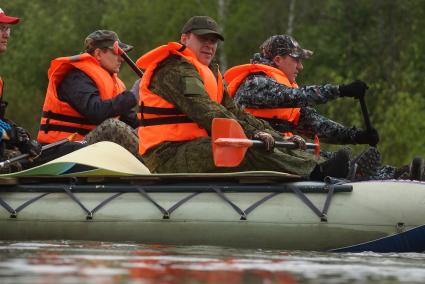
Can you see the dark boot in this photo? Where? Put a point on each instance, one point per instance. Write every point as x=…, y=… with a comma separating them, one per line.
x=416, y=169
x=337, y=166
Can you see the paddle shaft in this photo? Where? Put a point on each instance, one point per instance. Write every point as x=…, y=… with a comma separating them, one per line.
x=26, y=155
x=132, y=64
x=365, y=113
x=240, y=142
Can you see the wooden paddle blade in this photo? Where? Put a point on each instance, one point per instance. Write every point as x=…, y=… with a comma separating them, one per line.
x=227, y=155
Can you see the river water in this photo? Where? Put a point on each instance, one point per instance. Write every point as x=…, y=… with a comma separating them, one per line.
x=100, y=262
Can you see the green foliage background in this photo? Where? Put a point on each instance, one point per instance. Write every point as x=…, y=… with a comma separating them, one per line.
x=378, y=41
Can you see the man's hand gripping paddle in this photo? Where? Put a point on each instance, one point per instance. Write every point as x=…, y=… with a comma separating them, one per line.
x=229, y=143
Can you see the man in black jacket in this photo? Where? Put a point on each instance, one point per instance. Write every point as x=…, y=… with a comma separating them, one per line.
x=86, y=96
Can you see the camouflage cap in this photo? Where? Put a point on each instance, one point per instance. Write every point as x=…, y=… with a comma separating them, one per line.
x=104, y=39
x=283, y=45
x=202, y=25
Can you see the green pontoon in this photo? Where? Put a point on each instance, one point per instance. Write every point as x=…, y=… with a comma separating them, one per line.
x=115, y=198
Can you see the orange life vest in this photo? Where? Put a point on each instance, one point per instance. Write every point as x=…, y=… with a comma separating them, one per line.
x=1, y=87
x=236, y=75
x=160, y=120
x=59, y=119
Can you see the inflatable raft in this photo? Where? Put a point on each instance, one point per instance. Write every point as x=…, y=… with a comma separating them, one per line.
x=115, y=198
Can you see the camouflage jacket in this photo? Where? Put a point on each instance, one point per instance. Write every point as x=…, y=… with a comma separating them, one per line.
x=260, y=91
x=178, y=82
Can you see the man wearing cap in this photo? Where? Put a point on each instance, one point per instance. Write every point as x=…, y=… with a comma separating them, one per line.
x=85, y=96
x=267, y=89
x=182, y=91
x=14, y=140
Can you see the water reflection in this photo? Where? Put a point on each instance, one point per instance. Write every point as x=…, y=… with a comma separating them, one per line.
x=95, y=262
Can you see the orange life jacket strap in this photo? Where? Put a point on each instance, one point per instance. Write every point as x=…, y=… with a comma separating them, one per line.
x=164, y=120
x=70, y=129
x=158, y=110
x=66, y=118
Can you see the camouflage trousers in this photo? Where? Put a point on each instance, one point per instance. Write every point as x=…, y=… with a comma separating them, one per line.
x=196, y=157
x=14, y=167
x=116, y=131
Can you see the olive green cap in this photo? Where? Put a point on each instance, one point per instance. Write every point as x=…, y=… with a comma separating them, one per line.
x=202, y=25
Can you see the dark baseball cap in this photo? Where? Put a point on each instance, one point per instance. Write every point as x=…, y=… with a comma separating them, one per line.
x=283, y=45
x=104, y=39
x=202, y=25
x=4, y=19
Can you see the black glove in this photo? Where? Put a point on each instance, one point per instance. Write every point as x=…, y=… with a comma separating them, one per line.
x=299, y=141
x=370, y=137
x=356, y=89
x=32, y=147
x=17, y=136
x=124, y=102
x=267, y=139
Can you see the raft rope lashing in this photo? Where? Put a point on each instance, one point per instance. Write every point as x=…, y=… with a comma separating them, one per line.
x=328, y=200
x=73, y=197
x=234, y=206
x=259, y=202
x=14, y=212
x=329, y=187
x=166, y=213
x=321, y=214
x=181, y=202
x=104, y=202
x=8, y=208
x=89, y=213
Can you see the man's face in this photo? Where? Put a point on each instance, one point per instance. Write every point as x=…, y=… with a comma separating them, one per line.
x=289, y=65
x=110, y=61
x=4, y=36
x=203, y=46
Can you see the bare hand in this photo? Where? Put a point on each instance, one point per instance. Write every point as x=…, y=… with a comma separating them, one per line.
x=267, y=139
x=299, y=141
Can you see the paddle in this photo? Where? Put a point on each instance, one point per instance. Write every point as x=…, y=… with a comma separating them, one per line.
x=45, y=147
x=229, y=143
x=118, y=50
x=365, y=115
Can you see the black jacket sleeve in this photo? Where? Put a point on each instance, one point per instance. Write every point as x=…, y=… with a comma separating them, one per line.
x=80, y=91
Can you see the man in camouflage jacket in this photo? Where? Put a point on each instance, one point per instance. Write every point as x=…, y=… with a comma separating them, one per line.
x=259, y=91
x=178, y=82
